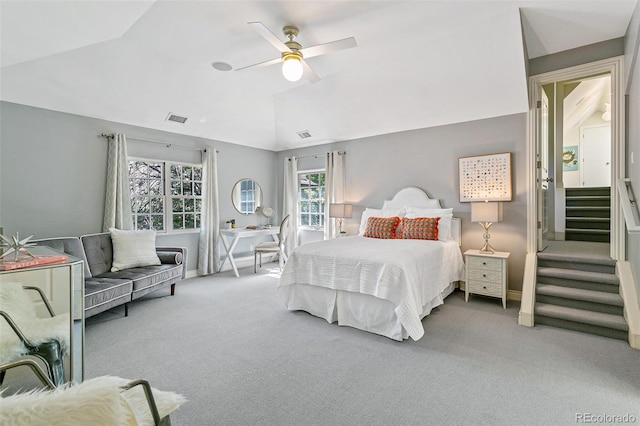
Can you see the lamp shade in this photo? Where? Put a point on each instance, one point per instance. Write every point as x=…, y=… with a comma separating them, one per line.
x=340, y=210
x=486, y=212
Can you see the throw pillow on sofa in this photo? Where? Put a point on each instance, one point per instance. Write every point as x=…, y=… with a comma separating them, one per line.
x=133, y=248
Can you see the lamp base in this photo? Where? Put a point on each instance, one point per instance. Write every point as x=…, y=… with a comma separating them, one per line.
x=486, y=249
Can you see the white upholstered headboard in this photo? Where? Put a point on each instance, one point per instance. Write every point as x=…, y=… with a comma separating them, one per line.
x=416, y=197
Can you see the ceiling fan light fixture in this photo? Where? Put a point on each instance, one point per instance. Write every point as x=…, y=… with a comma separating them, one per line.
x=292, y=67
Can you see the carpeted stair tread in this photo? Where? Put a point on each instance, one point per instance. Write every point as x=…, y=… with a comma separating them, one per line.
x=572, y=274
x=588, y=259
x=587, y=231
x=580, y=294
x=599, y=319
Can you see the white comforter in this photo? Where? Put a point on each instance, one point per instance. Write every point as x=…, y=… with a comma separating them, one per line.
x=407, y=273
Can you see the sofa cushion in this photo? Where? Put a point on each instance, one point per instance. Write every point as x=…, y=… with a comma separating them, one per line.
x=148, y=277
x=101, y=294
x=99, y=251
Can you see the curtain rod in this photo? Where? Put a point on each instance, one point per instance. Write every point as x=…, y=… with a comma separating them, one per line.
x=318, y=155
x=167, y=144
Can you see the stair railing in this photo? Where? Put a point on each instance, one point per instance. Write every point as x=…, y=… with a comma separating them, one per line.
x=629, y=206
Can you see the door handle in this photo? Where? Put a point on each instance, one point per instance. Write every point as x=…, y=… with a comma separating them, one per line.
x=549, y=179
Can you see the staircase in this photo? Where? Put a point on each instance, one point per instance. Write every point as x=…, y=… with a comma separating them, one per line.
x=588, y=214
x=579, y=293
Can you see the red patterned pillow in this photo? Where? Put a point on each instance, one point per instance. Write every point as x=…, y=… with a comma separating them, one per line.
x=381, y=227
x=420, y=228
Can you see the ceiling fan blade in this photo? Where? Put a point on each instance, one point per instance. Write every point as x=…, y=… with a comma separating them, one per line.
x=321, y=49
x=309, y=73
x=262, y=64
x=269, y=36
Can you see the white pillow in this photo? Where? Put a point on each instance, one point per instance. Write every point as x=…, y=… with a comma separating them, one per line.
x=133, y=248
x=444, y=224
x=367, y=213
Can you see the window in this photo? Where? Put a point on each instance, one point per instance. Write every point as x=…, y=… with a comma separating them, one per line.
x=247, y=196
x=165, y=196
x=311, y=198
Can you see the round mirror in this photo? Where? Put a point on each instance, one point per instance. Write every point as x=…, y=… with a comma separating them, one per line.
x=246, y=196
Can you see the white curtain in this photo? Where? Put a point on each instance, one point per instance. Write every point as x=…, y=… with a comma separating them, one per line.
x=208, y=247
x=290, y=201
x=334, y=189
x=117, y=206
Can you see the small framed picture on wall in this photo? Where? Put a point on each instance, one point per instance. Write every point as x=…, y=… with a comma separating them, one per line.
x=485, y=178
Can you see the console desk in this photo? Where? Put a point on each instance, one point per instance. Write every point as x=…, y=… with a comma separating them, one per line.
x=230, y=238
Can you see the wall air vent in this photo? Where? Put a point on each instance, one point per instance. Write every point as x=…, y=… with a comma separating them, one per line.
x=176, y=118
x=304, y=134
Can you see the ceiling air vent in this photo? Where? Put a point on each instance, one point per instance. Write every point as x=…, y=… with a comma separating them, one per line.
x=304, y=134
x=176, y=118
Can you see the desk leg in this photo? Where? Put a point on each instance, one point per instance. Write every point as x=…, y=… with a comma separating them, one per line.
x=229, y=249
x=226, y=248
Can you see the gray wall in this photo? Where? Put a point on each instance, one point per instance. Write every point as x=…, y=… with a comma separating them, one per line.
x=53, y=171
x=377, y=167
x=632, y=67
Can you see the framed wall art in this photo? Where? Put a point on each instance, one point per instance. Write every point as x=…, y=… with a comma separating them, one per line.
x=485, y=178
x=570, y=158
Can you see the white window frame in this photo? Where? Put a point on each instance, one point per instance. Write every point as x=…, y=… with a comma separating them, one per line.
x=167, y=197
x=299, y=202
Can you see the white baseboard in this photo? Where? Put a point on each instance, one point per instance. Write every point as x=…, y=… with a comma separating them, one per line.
x=241, y=262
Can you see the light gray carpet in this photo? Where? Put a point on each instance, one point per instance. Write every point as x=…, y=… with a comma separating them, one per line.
x=232, y=349
x=240, y=358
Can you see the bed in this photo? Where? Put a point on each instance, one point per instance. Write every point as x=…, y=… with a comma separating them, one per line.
x=383, y=286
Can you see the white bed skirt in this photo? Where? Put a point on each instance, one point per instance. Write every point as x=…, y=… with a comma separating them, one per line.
x=361, y=311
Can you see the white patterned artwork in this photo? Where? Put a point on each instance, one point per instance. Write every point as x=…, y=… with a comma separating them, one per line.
x=485, y=177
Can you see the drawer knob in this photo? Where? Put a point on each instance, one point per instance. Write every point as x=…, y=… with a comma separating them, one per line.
x=484, y=286
x=484, y=275
x=484, y=263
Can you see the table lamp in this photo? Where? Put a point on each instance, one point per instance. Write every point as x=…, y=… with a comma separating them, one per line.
x=340, y=212
x=486, y=214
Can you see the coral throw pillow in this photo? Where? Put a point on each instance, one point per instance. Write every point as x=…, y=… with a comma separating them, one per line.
x=381, y=227
x=420, y=228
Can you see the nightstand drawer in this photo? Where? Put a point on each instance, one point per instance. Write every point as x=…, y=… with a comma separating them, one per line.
x=485, y=275
x=485, y=288
x=484, y=263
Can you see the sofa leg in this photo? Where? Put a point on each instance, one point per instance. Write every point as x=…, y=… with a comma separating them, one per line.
x=173, y=289
x=126, y=309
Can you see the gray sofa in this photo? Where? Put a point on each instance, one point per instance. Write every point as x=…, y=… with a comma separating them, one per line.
x=104, y=289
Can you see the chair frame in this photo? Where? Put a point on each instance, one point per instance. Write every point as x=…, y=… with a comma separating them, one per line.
x=42, y=376
x=50, y=352
x=282, y=237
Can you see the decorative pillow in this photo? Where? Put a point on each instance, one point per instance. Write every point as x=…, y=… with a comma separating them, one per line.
x=382, y=227
x=420, y=228
x=377, y=213
x=133, y=248
x=444, y=225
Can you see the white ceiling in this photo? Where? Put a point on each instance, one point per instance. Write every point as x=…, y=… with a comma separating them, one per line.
x=418, y=63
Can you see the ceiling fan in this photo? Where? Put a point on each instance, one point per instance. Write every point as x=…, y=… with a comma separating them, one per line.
x=293, y=55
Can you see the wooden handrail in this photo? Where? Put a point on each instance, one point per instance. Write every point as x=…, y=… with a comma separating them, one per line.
x=629, y=206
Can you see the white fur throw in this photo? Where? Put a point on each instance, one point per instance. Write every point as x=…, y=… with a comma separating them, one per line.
x=99, y=401
x=18, y=303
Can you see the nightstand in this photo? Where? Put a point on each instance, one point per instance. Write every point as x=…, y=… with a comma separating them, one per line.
x=486, y=274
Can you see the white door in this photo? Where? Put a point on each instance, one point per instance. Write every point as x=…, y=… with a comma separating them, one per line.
x=542, y=170
x=595, y=156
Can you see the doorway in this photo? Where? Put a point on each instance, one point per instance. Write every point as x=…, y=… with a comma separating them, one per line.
x=583, y=102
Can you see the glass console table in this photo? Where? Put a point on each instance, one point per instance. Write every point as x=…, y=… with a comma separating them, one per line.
x=63, y=285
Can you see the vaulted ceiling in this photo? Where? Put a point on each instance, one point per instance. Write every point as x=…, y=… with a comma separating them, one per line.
x=417, y=64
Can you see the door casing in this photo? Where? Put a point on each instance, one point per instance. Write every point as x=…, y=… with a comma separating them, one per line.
x=615, y=67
